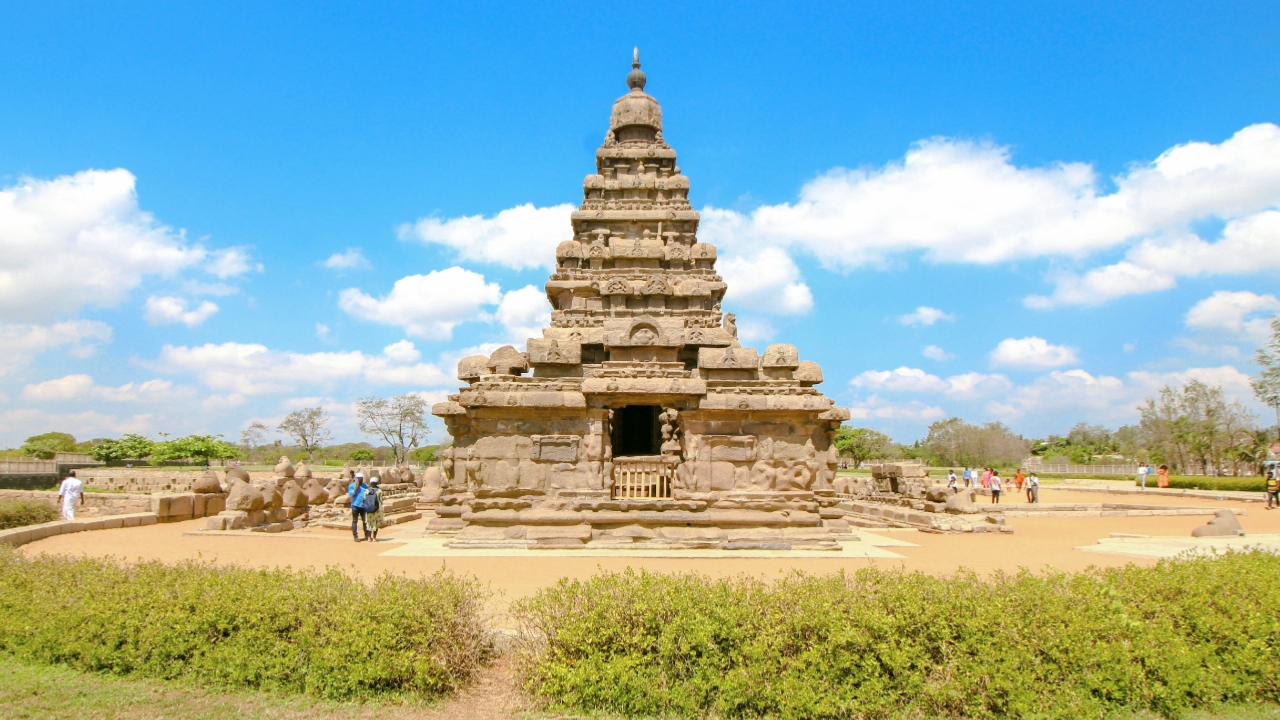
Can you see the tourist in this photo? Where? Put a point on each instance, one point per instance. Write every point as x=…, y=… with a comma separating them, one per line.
x=1273, y=488
x=986, y=478
x=71, y=490
x=374, y=516
x=1033, y=488
x=967, y=479
x=356, y=491
x=1143, y=471
x=1018, y=479
x=1162, y=476
x=951, y=479
x=995, y=487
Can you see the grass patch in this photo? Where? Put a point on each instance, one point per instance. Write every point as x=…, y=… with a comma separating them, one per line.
x=43, y=692
x=1181, y=635
x=1244, y=484
x=15, y=512
x=323, y=634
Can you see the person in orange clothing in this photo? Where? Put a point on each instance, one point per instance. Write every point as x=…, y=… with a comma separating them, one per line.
x=1162, y=476
x=1018, y=479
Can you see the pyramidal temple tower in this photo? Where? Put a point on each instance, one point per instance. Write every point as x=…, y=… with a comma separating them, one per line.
x=638, y=416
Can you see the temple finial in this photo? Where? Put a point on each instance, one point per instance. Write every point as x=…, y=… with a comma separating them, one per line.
x=636, y=78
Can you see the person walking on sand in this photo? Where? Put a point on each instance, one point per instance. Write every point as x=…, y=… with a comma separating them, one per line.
x=1162, y=476
x=373, y=508
x=967, y=480
x=1033, y=488
x=357, y=491
x=986, y=478
x=1018, y=479
x=995, y=487
x=71, y=490
x=1143, y=471
x=1273, y=488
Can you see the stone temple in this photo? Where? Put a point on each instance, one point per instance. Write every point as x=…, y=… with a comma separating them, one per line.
x=638, y=417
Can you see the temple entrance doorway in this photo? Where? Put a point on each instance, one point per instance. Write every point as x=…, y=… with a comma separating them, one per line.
x=636, y=431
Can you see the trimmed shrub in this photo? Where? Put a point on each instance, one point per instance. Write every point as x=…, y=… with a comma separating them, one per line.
x=880, y=644
x=16, y=512
x=321, y=634
x=1245, y=484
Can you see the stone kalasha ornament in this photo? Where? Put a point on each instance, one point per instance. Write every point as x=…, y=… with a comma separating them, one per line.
x=207, y=483
x=639, y=389
x=315, y=492
x=236, y=473
x=284, y=468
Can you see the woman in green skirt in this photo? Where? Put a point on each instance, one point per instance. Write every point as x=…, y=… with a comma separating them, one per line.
x=373, y=508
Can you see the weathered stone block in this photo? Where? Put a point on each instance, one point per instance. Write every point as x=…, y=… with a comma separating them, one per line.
x=578, y=532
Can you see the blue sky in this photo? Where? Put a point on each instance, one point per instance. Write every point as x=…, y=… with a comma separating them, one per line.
x=205, y=209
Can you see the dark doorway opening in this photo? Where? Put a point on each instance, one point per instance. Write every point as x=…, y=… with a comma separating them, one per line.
x=636, y=430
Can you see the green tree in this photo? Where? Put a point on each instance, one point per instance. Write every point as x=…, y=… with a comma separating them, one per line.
x=309, y=426
x=400, y=421
x=862, y=444
x=361, y=455
x=424, y=455
x=47, y=445
x=1266, y=384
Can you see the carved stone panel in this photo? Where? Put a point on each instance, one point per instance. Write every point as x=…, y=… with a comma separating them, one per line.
x=556, y=448
x=729, y=358
x=781, y=355
x=549, y=351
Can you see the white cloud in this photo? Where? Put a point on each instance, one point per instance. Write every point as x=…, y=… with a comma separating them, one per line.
x=933, y=352
x=1107, y=399
x=524, y=312
x=81, y=240
x=22, y=343
x=323, y=333
x=520, y=237
x=752, y=329
x=23, y=422
x=230, y=262
x=77, y=387
x=915, y=380
x=878, y=408
x=766, y=281
x=926, y=316
x=1031, y=352
x=252, y=369
x=352, y=259
x=427, y=306
x=1229, y=312
x=957, y=201
x=171, y=310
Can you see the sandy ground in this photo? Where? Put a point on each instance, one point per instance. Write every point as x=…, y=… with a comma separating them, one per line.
x=1037, y=543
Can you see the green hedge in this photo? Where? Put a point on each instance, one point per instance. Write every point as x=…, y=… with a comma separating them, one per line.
x=15, y=512
x=880, y=644
x=1247, y=484
x=321, y=634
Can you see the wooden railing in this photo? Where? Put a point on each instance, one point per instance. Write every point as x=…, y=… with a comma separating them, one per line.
x=642, y=477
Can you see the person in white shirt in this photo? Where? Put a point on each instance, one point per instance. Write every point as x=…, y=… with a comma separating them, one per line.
x=1033, y=488
x=951, y=479
x=995, y=486
x=71, y=490
x=1143, y=472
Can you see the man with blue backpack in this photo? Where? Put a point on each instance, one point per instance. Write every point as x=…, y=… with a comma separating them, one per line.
x=357, y=491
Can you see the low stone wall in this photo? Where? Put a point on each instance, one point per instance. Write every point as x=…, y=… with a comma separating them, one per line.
x=31, y=533
x=28, y=481
x=95, y=504
x=159, y=479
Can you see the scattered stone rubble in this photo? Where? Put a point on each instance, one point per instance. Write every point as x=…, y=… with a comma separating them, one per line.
x=903, y=495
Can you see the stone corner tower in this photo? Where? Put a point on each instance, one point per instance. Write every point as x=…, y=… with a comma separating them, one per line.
x=638, y=405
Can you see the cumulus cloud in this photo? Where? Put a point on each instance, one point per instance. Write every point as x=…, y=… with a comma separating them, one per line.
x=766, y=281
x=1108, y=399
x=81, y=387
x=1031, y=352
x=426, y=306
x=926, y=316
x=250, y=369
x=1234, y=313
x=878, y=408
x=22, y=343
x=520, y=237
x=82, y=240
x=915, y=380
x=352, y=259
x=173, y=310
x=956, y=201
x=933, y=352
x=524, y=312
